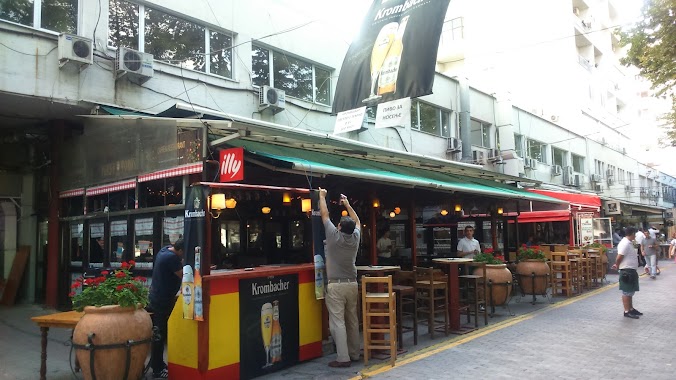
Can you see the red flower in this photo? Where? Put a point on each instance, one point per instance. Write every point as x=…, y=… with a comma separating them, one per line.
x=120, y=274
x=88, y=282
x=132, y=263
x=71, y=294
x=140, y=279
x=120, y=288
x=75, y=285
x=125, y=265
x=104, y=273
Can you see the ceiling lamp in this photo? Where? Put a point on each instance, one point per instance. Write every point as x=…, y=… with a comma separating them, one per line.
x=230, y=203
x=217, y=205
x=376, y=203
x=501, y=210
x=458, y=207
x=266, y=210
x=444, y=212
x=286, y=198
x=397, y=210
x=344, y=213
x=392, y=214
x=306, y=205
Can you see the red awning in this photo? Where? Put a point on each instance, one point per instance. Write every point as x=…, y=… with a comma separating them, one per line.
x=575, y=199
x=544, y=216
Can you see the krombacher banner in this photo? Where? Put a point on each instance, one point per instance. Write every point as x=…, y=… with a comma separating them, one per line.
x=395, y=55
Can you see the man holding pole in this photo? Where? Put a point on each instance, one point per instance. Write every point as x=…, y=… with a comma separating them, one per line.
x=342, y=243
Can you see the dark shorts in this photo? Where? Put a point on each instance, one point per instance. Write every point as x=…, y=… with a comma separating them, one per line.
x=628, y=281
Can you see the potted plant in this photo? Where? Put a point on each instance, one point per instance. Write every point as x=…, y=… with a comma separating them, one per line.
x=532, y=270
x=498, y=276
x=113, y=323
x=602, y=250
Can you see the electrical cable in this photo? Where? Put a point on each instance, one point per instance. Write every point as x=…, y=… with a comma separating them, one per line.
x=29, y=54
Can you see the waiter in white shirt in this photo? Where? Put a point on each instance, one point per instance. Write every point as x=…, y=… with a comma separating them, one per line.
x=640, y=236
x=468, y=246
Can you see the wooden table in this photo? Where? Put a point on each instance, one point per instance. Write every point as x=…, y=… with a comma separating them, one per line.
x=454, y=292
x=66, y=320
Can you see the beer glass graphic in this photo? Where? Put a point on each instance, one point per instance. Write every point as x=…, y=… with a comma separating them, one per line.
x=266, y=330
x=380, y=49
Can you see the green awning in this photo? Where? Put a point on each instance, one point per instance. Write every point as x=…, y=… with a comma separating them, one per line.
x=314, y=162
x=115, y=111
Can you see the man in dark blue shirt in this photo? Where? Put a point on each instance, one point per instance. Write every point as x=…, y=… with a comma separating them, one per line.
x=167, y=273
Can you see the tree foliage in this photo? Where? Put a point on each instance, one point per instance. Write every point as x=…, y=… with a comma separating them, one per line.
x=652, y=48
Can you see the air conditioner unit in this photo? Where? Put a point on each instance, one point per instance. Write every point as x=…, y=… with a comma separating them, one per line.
x=75, y=49
x=655, y=193
x=595, y=178
x=610, y=172
x=529, y=163
x=270, y=97
x=597, y=187
x=557, y=170
x=628, y=189
x=578, y=180
x=644, y=192
x=610, y=181
x=478, y=157
x=494, y=155
x=568, y=178
x=454, y=145
x=136, y=66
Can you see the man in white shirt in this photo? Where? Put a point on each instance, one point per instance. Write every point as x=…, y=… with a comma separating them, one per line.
x=673, y=245
x=627, y=262
x=468, y=246
x=385, y=248
x=640, y=236
x=653, y=232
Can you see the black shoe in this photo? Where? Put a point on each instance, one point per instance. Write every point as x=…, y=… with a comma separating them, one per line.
x=165, y=374
x=635, y=312
x=628, y=314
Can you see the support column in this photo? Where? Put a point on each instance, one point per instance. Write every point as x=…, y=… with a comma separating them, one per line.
x=465, y=127
x=414, y=236
x=28, y=232
x=52, y=259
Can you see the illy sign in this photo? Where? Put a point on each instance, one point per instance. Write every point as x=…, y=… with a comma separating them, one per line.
x=232, y=165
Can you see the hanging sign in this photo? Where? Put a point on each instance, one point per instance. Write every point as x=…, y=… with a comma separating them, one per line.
x=396, y=113
x=348, y=121
x=586, y=229
x=232, y=165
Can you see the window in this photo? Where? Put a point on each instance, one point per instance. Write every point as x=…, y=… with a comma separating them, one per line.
x=537, y=150
x=630, y=178
x=611, y=171
x=578, y=163
x=599, y=168
x=57, y=15
x=298, y=78
x=621, y=176
x=518, y=145
x=559, y=157
x=169, y=38
x=480, y=133
x=430, y=119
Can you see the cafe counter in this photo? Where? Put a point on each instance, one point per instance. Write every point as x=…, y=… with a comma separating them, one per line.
x=256, y=321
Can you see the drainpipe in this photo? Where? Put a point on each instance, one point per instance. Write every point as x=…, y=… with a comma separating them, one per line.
x=465, y=128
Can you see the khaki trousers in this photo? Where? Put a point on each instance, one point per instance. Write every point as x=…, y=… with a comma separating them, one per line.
x=341, y=303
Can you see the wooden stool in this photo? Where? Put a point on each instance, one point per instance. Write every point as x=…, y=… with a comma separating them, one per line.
x=382, y=306
x=561, y=274
x=431, y=297
x=405, y=294
x=473, y=290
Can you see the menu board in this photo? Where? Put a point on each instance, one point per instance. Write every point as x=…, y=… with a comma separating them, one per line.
x=268, y=316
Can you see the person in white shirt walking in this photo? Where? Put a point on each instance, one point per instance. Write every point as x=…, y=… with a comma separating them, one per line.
x=627, y=262
x=649, y=249
x=468, y=246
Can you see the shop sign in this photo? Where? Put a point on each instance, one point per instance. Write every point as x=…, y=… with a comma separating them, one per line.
x=396, y=113
x=231, y=165
x=348, y=121
x=586, y=229
x=268, y=322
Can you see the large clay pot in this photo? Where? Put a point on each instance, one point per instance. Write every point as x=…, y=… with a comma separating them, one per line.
x=501, y=278
x=525, y=269
x=113, y=325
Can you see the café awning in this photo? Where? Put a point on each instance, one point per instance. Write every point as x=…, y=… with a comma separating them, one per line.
x=311, y=163
x=577, y=200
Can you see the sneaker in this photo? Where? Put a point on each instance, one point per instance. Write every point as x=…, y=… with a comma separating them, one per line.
x=337, y=364
x=165, y=374
x=628, y=314
x=653, y=277
x=635, y=312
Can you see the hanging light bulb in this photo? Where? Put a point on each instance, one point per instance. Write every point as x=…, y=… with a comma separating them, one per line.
x=501, y=210
x=266, y=210
x=306, y=205
x=397, y=210
x=230, y=203
x=344, y=213
x=376, y=203
x=458, y=207
x=286, y=198
x=444, y=212
x=392, y=214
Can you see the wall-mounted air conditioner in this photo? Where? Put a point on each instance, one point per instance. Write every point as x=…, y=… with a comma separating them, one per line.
x=595, y=178
x=454, y=145
x=610, y=181
x=644, y=192
x=578, y=180
x=529, y=163
x=270, y=97
x=557, y=170
x=75, y=49
x=494, y=155
x=568, y=178
x=479, y=157
x=135, y=65
x=628, y=189
x=610, y=172
x=597, y=187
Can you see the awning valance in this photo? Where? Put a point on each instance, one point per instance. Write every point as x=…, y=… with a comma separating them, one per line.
x=544, y=216
x=578, y=200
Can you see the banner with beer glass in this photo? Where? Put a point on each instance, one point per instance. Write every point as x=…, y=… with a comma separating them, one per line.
x=194, y=224
x=395, y=55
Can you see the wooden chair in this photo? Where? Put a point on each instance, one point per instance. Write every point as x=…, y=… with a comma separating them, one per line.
x=431, y=297
x=405, y=293
x=473, y=291
x=562, y=275
x=379, y=316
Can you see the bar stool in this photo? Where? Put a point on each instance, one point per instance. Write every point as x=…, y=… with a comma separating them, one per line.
x=574, y=257
x=381, y=305
x=562, y=277
x=473, y=290
x=431, y=297
x=405, y=294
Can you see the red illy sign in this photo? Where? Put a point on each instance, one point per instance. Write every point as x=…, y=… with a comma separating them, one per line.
x=232, y=165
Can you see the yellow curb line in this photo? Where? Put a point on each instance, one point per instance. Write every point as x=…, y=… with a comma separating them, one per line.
x=443, y=346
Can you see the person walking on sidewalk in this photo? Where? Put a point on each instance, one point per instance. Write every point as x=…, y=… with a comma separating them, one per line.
x=649, y=250
x=342, y=243
x=167, y=274
x=627, y=262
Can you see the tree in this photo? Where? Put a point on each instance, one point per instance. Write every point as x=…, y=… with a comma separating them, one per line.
x=652, y=49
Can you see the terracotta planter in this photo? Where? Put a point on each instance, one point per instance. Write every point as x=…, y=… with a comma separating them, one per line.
x=113, y=325
x=501, y=278
x=525, y=268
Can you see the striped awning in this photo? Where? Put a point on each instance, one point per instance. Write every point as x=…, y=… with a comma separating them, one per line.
x=109, y=188
x=72, y=193
x=173, y=172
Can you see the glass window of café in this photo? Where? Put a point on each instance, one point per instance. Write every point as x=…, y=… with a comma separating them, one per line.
x=161, y=192
x=111, y=202
x=119, y=242
x=172, y=228
x=143, y=242
x=72, y=206
x=97, y=246
x=74, y=246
